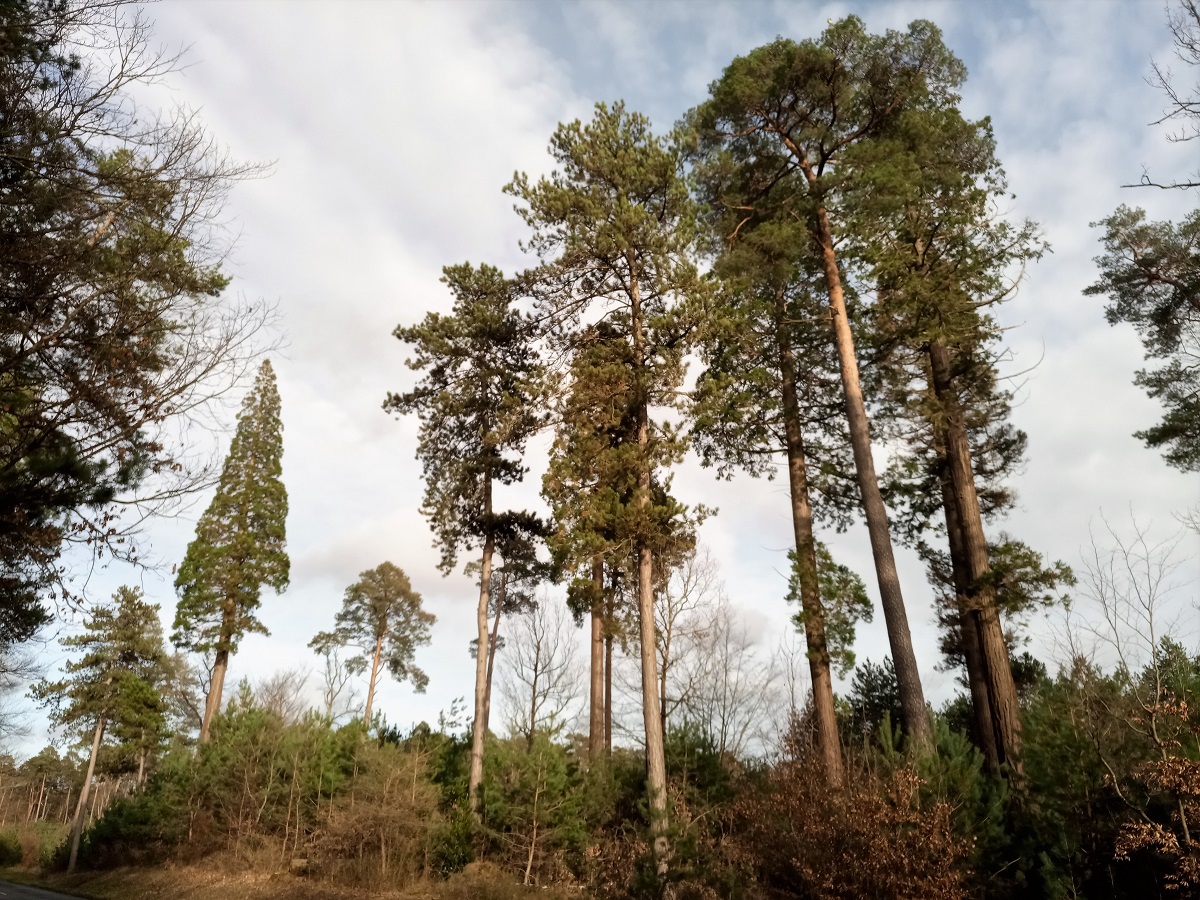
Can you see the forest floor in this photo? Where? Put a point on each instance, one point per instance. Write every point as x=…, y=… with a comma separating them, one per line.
x=196, y=883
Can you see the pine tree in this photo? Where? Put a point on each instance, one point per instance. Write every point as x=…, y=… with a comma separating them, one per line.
x=114, y=681
x=615, y=230
x=381, y=616
x=770, y=389
x=240, y=543
x=780, y=136
x=477, y=403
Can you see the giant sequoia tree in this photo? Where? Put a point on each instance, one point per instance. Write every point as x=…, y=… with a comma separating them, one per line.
x=784, y=128
x=477, y=402
x=240, y=543
x=615, y=228
x=111, y=331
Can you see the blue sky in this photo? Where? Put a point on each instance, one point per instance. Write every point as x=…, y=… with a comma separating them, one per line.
x=393, y=127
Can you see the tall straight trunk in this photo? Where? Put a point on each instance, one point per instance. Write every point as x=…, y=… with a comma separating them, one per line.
x=596, y=682
x=981, y=596
x=917, y=722
x=216, y=686
x=77, y=825
x=608, y=693
x=479, y=725
x=828, y=742
x=968, y=630
x=656, y=764
x=374, y=676
x=493, y=646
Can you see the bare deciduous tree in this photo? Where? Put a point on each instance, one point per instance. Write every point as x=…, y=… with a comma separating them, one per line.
x=541, y=683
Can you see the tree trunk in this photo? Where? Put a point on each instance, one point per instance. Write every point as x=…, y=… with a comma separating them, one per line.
x=479, y=726
x=917, y=722
x=608, y=660
x=981, y=596
x=374, y=675
x=828, y=741
x=968, y=630
x=656, y=766
x=493, y=646
x=77, y=825
x=596, y=683
x=216, y=685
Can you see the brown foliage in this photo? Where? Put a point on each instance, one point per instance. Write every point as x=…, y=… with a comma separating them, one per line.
x=871, y=838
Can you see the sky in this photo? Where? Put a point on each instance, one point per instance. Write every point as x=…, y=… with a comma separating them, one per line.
x=392, y=127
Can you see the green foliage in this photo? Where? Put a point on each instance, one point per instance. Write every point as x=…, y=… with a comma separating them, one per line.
x=1150, y=271
x=845, y=601
x=118, y=675
x=241, y=538
x=478, y=402
x=110, y=274
x=10, y=848
x=531, y=806
x=381, y=611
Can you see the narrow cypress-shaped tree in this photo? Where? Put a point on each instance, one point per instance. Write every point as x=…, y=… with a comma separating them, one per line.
x=477, y=402
x=381, y=616
x=240, y=543
x=615, y=230
x=783, y=126
x=114, y=681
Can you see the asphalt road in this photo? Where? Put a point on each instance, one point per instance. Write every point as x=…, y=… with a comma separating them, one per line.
x=9, y=891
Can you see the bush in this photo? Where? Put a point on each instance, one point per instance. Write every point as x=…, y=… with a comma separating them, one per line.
x=11, y=853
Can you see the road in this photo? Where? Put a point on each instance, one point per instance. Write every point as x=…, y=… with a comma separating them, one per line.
x=9, y=891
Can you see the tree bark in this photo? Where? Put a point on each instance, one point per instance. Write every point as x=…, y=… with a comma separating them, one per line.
x=479, y=726
x=608, y=659
x=216, y=687
x=981, y=596
x=828, y=741
x=656, y=766
x=917, y=724
x=77, y=825
x=374, y=675
x=596, y=683
x=493, y=646
x=968, y=630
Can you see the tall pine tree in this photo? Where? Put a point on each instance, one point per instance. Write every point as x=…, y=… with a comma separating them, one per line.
x=240, y=543
x=478, y=405
x=784, y=127
x=382, y=618
x=615, y=230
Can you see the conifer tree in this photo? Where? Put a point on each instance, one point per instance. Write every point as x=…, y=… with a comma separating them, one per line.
x=477, y=404
x=770, y=389
x=615, y=230
x=382, y=618
x=113, y=681
x=781, y=133
x=940, y=260
x=240, y=543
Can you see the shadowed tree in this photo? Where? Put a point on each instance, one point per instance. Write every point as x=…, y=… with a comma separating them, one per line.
x=615, y=230
x=477, y=402
x=240, y=543
x=381, y=617
x=112, y=334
